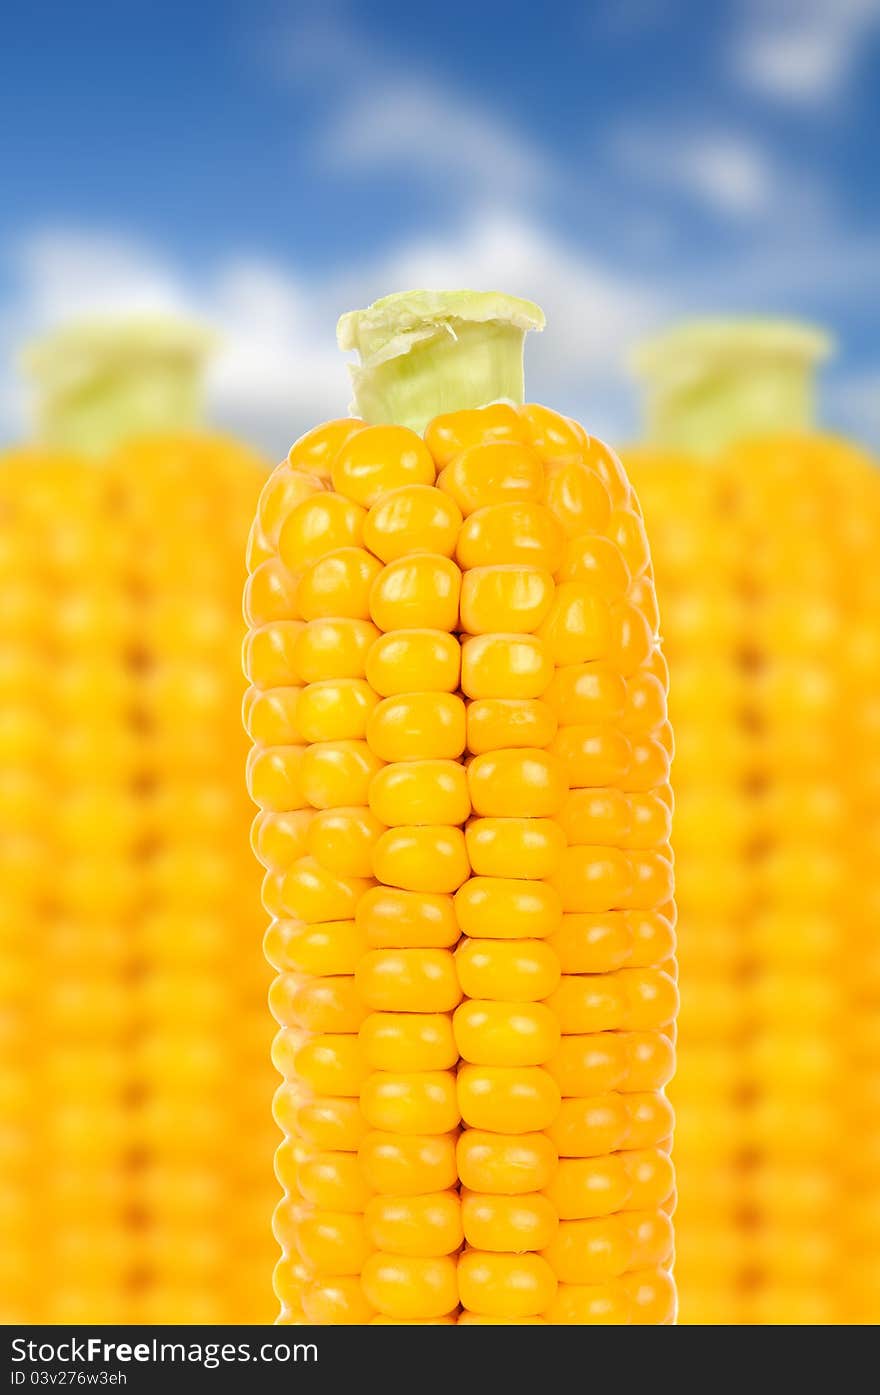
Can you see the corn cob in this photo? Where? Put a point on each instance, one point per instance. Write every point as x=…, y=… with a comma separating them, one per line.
x=460, y=759
x=761, y=536
x=129, y=999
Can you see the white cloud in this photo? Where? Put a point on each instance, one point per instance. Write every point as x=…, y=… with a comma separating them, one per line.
x=391, y=112
x=66, y=274
x=423, y=130
x=803, y=52
x=278, y=370
x=727, y=172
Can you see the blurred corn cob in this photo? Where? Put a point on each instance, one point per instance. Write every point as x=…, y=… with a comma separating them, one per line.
x=763, y=537
x=132, y=1077
x=461, y=761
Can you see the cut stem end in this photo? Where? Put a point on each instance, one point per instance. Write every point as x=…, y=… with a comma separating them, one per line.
x=423, y=353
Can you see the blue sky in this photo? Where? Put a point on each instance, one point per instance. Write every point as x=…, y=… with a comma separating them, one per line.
x=267, y=165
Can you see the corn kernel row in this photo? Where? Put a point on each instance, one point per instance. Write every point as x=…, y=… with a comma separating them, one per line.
x=694, y=534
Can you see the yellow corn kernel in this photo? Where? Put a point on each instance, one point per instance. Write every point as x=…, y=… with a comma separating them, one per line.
x=338, y=1302
x=509, y=970
x=409, y=980
x=417, y=1040
x=342, y=840
x=332, y=1242
x=596, y=560
x=511, y=533
x=338, y=584
x=587, y=693
x=505, y=1034
x=278, y=839
x=631, y=640
x=394, y=918
x=516, y=847
x=508, y=1224
x=411, y=1102
x=578, y=628
x=418, y=726
x=332, y=649
x=422, y=590
x=593, y=757
x=421, y=792
x=430, y=858
x=319, y=524
x=527, y=783
x=491, y=473
x=452, y=432
x=578, y=499
x=320, y=1005
x=318, y=950
x=506, y=908
x=315, y=452
x=593, y=879
x=428, y=1225
x=377, y=459
x=406, y=661
x=505, y=1164
x=290, y=1280
x=596, y=814
x=509, y=600
x=507, y=1099
x=496, y=723
x=270, y=654
x=500, y=1285
x=412, y=518
x=408, y=1164
x=272, y=717
x=333, y=774
x=274, y=777
x=310, y=893
x=332, y=1182
x=328, y=1124
x=627, y=530
x=334, y=710
x=646, y=704
x=411, y=1287
x=282, y=492
x=270, y=593
x=505, y=666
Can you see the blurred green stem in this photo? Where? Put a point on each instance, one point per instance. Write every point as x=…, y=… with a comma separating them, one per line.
x=713, y=382
x=100, y=383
